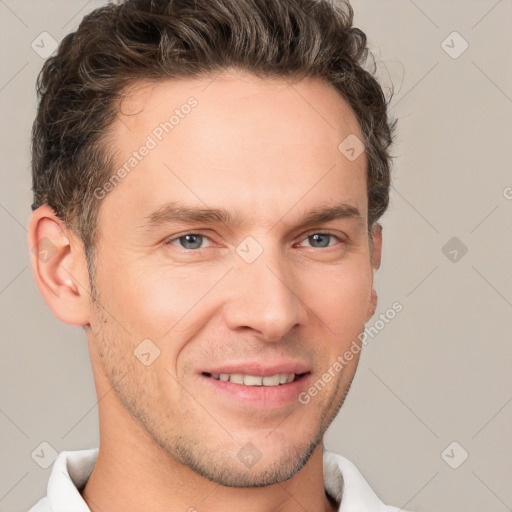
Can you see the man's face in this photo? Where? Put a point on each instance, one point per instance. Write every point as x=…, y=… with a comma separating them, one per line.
x=259, y=294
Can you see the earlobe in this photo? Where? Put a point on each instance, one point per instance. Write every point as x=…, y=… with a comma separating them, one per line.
x=375, y=263
x=372, y=305
x=58, y=262
x=377, y=246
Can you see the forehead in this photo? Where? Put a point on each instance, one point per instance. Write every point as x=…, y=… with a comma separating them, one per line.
x=271, y=102
x=260, y=145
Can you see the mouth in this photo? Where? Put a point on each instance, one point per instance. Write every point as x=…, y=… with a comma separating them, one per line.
x=248, y=392
x=279, y=379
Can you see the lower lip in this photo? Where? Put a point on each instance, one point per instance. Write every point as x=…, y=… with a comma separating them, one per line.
x=264, y=397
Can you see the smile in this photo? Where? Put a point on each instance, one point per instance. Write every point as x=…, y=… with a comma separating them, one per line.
x=255, y=380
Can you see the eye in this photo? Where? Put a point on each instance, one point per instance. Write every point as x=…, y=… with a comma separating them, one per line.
x=195, y=241
x=189, y=241
x=321, y=240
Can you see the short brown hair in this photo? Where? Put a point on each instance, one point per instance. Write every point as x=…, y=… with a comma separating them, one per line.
x=80, y=86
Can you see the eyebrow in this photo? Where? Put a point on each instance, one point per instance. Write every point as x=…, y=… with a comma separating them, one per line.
x=180, y=213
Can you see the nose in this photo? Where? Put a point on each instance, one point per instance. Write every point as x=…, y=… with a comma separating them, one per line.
x=266, y=297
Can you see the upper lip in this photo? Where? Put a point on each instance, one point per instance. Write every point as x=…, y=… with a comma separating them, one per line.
x=259, y=369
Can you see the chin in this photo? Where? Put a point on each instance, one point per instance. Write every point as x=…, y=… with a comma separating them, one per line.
x=246, y=466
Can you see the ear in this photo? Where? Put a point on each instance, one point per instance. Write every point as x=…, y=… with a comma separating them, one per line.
x=375, y=263
x=59, y=266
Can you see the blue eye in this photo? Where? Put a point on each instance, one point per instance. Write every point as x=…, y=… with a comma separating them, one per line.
x=189, y=241
x=322, y=239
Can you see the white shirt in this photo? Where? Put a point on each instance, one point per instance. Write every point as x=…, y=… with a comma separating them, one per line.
x=71, y=470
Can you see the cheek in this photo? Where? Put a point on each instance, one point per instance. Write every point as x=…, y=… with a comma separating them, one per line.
x=155, y=302
x=341, y=300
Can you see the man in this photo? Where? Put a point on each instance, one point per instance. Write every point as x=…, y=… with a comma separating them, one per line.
x=208, y=176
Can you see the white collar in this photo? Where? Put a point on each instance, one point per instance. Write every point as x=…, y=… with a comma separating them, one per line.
x=344, y=482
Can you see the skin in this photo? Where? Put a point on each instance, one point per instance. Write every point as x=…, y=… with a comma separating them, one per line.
x=270, y=150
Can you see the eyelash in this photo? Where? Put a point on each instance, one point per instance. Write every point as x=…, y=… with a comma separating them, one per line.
x=328, y=233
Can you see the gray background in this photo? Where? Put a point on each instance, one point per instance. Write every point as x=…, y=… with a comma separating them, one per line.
x=439, y=372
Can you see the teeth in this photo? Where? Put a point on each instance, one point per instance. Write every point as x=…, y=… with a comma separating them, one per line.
x=237, y=378
x=254, y=380
x=271, y=381
x=250, y=380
